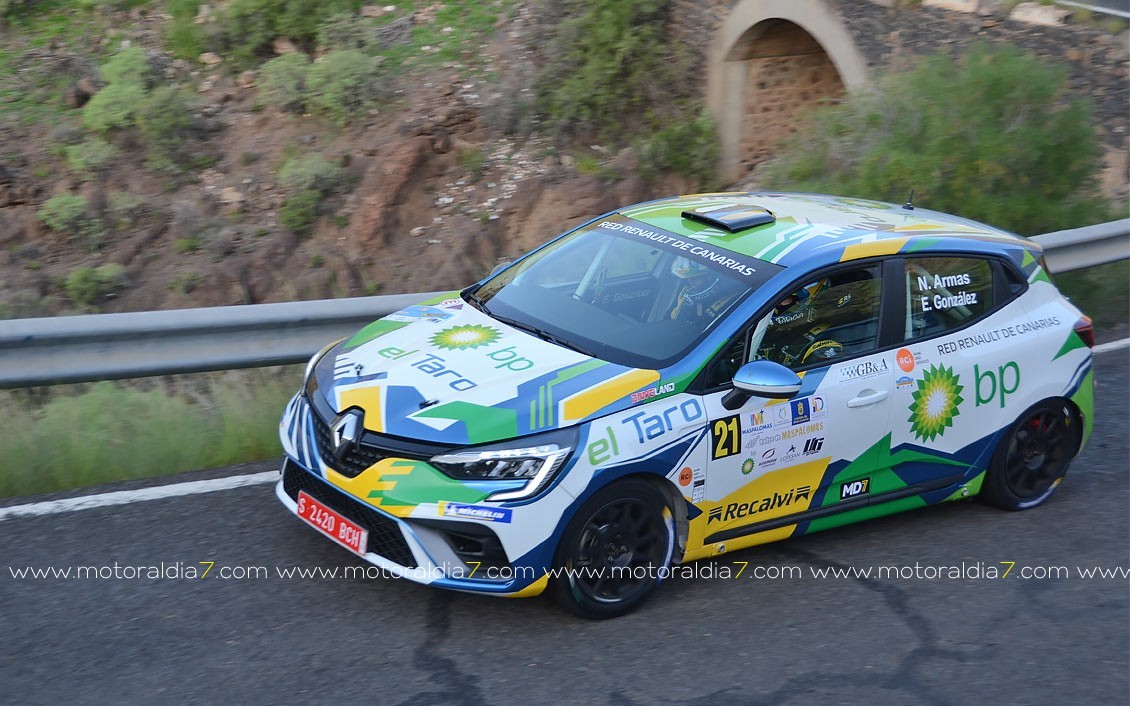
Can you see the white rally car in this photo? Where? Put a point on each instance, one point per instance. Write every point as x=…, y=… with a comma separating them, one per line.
x=687, y=377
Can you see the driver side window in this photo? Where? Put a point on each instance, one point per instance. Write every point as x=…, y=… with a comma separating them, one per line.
x=824, y=319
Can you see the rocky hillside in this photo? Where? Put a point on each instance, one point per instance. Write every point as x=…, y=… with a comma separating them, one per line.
x=134, y=179
x=176, y=153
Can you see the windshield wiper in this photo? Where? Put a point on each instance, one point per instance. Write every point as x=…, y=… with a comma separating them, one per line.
x=544, y=335
x=471, y=297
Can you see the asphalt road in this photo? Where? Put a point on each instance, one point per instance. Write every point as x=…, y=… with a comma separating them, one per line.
x=707, y=640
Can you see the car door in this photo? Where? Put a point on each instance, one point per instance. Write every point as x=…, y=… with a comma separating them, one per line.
x=956, y=373
x=774, y=463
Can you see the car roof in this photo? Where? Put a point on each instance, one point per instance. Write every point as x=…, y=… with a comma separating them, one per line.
x=817, y=229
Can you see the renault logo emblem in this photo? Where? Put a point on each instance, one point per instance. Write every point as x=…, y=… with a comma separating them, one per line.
x=346, y=431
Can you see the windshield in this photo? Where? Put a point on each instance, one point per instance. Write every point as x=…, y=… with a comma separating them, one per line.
x=623, y=291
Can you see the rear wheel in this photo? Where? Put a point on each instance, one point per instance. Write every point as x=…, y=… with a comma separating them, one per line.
x=1032, y=457
x=616, y=550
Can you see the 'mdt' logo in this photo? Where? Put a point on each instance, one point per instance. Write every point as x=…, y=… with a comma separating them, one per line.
x=1006, y=380
x=853, y=489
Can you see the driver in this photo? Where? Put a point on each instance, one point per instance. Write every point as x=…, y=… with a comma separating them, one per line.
x=790, y=337
x=798, y=303
x=702, y=295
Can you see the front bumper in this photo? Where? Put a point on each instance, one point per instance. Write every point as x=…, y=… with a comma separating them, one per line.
x=423, y=551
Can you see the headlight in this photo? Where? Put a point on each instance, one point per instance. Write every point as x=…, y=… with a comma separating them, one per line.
x=309, y=382
x=536, y=464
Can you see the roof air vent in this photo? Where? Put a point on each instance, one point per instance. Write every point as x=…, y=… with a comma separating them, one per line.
x=731, y=218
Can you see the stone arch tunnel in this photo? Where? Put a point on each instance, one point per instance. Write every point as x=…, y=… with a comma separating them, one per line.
x=772, y=60
x=765, y=61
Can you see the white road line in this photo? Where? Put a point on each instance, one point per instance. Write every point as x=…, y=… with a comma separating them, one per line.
x=1113, y=346
x=124, y=497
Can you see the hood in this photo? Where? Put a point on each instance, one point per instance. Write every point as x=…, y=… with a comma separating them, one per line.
x=444, y=372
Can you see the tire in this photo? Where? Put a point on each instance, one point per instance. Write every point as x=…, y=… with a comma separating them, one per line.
x=1032, y=457
x=615, y=551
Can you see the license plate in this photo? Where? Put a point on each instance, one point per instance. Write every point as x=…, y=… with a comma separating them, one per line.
x=332, y=523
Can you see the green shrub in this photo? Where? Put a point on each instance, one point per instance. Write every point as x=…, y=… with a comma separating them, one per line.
x=126, y=209
x=11, y=7
x=282, y=82
x=345, y=30
x=87, y=284
x=186, y=245
x=300, y=210
x=689, y=149
x=112, y=107
x=474, y=161
x=64, y=213
x=90, y=157
x=251, y=25
x=185, y=282
x=312, y=172
x=992, y=137
x=612, y=69
x=183, y=36
x=591, y=165
x=343, y=84
x=164, y=119
x=129, y=66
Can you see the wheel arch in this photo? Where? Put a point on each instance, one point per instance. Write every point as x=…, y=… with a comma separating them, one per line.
x=998, y=490
x=1080, y=421
x=675, y=501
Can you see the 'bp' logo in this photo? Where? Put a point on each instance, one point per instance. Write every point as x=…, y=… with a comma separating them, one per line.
x=463, y=337
x=935, y=403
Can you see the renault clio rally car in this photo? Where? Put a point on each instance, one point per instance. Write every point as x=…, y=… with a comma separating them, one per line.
x=683, y=378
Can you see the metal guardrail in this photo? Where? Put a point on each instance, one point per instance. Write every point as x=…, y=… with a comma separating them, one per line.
x=112, y=346
x=1080, y=248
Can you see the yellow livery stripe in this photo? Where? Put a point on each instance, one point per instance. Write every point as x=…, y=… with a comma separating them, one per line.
x=585, y=403
x=874, y=248
x=368, y=398
x=534, y=589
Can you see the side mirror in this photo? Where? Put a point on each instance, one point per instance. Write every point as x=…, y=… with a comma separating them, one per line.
x=762, y=378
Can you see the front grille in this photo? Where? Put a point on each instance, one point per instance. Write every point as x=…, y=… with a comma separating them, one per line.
x=356, y=460
x=385, y=537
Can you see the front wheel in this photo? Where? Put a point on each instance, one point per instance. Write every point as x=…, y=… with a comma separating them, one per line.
x=615, y=551
x=1032, y=457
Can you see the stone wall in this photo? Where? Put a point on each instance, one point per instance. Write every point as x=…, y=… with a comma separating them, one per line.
x=891, y=34
x=777, y=89
x=1097, y=61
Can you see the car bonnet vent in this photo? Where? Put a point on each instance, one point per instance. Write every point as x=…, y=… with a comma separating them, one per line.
x=731, y=218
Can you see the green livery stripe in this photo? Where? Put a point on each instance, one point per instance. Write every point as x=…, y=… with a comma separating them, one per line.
x=917, y=244
x=380, y=327
x=973, y=487
x=440, y=298
x=546, y=407
x=1038, y=275
x=423, y=484
x=865, y=513
x=1084, y=399
x=1073, y=342
x=482, y=423
x=374, y=330
x=878, y=462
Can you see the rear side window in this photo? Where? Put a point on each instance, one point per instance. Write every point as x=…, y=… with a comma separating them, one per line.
x=943, y=293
